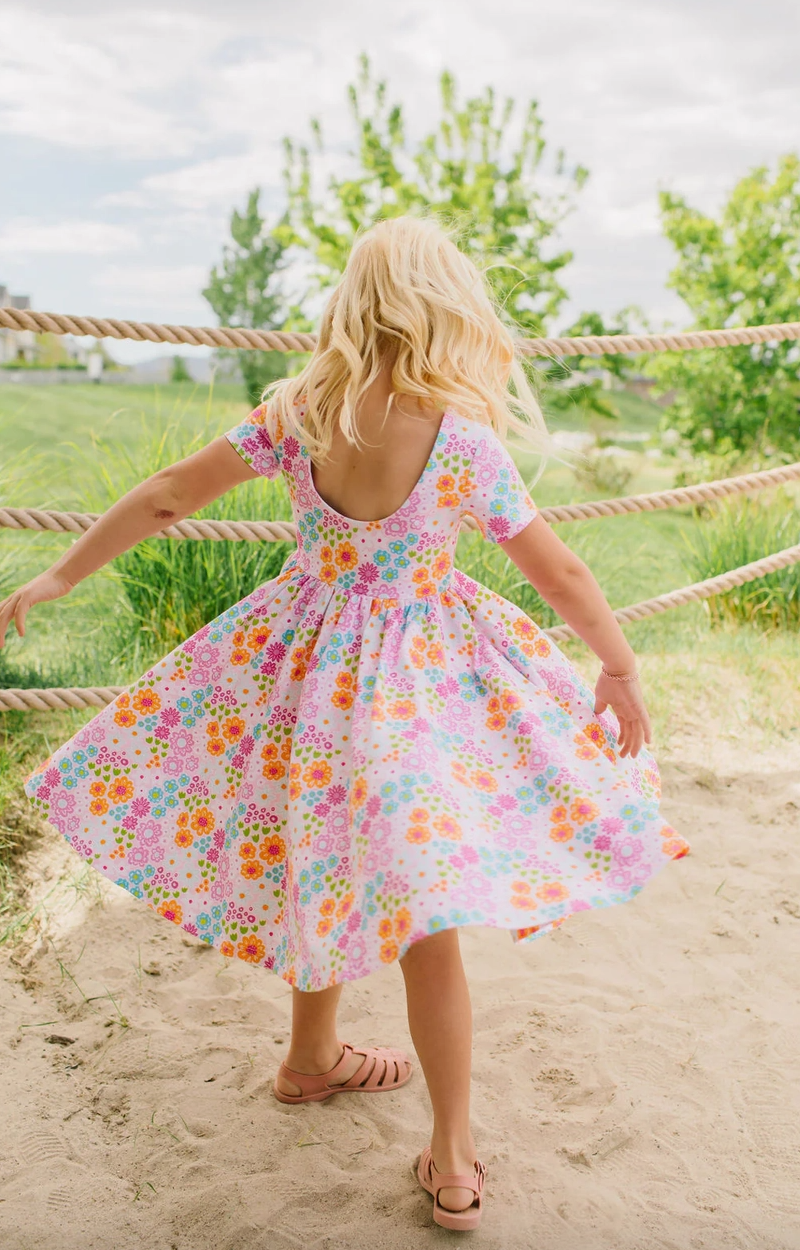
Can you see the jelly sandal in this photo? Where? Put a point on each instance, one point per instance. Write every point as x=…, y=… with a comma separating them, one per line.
x=388, y=1070
x=433, y=1181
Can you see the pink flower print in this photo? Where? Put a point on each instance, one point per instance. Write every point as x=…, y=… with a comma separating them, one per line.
x=620, y=878
x=628, y=851
x=291, y=447
x=612, y=825
x=52, y=777
x=396, y=527
x=602, y=842
x=172, y=766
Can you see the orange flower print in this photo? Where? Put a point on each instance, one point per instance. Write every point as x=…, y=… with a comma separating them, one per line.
x=345, y=680
x=257, y=638
x=324, y=927
x=418, y=652
x=445, y=483
x=562, y=833
x=120, y=790
x=273, y=851
x=183, y=838
x=269, y=751
x=171, y=909
x=403, y=709
x=98, y=807
x=259, y=415
x=251, y=870
x=227, y=948
x=420, y=815
x=466, y=483
x=240, y=656
x=595, y=734
x=552, y=892
x=441, y=564
x=388, y=952
x=585, y=751
x=97, y=788
x=419, y=575
x=146, y=701
x=318, y=774
x=402, y=924
x=583, y=810
x=426, y=590
x=510, y=701
x=345, y=907
x=327, y=907
x=251, y=949
x=327, y=574
x=447, y=827
x=215, y=746
x=676, y=848
x=212, y=729
x=247, y=850
x=559, y=814
x=273, y=770
x=342, y=698
x=484, y=781
x=203, y=821
x=418, y=833
x=295, y=789
x=125, y=718
x=346, y=556
x=183, y=820
x=326, y=554
x=524, y=628
x=358, y=792
x=233, y=729
x=542, y=647
x=436, y=655
x=385, y=929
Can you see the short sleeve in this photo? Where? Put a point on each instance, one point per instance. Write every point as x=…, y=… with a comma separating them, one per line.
x=498, y=498
x=253, y=442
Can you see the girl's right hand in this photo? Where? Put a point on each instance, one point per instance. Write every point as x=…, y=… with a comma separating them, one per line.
x=627, y=702
x=42, y=589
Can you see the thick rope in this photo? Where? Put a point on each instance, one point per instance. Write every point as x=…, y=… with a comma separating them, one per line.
x=283, y=341
x=284, y=531
x=697, y=591
x=98, y=696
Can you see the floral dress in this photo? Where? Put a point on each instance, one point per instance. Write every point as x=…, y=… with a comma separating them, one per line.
x=369, y=748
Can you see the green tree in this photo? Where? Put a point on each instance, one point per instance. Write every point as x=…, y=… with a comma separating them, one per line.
x=246, y=290
x=180, y=373
x=742, y=268
x=472, y=170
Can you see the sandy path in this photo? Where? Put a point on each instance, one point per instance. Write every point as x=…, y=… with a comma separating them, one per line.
x=637, y=1079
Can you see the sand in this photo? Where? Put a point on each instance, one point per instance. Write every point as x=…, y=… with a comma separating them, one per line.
x=636, y=1073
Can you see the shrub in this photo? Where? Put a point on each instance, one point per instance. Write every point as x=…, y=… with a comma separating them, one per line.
x=739, y=532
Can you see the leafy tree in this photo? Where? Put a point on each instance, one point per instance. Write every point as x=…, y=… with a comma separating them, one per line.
x=471, y=171
x=742, y=268
x=245, y=290
x=180, y=373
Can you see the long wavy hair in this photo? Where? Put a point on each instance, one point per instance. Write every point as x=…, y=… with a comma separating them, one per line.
x=408, y=294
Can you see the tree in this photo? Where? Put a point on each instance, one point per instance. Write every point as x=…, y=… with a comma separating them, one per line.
x=471, y=171
x=742, y=268
x=245, y=290
x=180, y=372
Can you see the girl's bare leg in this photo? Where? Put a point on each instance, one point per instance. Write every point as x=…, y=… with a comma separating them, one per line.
x=315, y=1046
x=440, y=1020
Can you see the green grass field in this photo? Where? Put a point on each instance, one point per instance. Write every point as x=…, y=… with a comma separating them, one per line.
x=729, y=679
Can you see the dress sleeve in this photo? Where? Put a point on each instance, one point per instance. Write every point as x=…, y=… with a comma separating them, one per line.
x=499, y=498
x=253, y=442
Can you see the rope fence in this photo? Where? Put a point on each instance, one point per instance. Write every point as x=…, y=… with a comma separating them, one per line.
x=48, y=520
x=294, y=341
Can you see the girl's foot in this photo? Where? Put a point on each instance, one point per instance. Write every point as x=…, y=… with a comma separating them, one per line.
x=455, y=1158
x=390, y=1066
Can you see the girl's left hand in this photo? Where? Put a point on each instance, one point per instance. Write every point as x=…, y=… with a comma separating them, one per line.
x=627, y=702
x=42, y=589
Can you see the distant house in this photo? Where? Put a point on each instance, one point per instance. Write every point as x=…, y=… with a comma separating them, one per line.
x=16, y=344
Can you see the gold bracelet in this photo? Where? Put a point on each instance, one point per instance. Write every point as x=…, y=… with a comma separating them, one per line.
x=619, y=676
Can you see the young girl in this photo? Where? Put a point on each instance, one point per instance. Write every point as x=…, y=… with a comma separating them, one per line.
x=372, y=749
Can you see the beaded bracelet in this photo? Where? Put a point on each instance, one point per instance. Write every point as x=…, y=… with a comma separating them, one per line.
x=619, y=676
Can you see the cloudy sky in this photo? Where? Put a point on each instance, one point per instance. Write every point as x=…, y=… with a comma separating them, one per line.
x=128, y=132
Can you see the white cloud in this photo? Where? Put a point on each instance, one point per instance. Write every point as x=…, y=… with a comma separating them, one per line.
x=89, y=238
x=159, y=285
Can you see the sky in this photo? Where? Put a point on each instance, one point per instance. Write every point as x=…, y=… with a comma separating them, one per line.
x=129, y=133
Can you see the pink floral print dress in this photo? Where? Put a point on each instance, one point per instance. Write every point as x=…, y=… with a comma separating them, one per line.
x=367, y=749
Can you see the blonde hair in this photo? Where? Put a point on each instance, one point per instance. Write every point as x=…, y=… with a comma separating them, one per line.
x=409, y=293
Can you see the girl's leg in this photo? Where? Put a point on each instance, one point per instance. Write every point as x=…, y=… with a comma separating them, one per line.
x=315, y=1046
x=440, y=1020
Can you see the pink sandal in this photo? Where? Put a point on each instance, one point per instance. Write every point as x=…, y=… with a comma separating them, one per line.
x=389, y=1070
x=433, y=1181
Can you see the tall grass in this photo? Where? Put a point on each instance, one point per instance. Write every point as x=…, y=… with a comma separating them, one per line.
x=170, y=588
x=737, y=533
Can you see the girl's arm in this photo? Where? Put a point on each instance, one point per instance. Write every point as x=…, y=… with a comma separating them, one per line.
x=564, y=581
x=161, y=500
